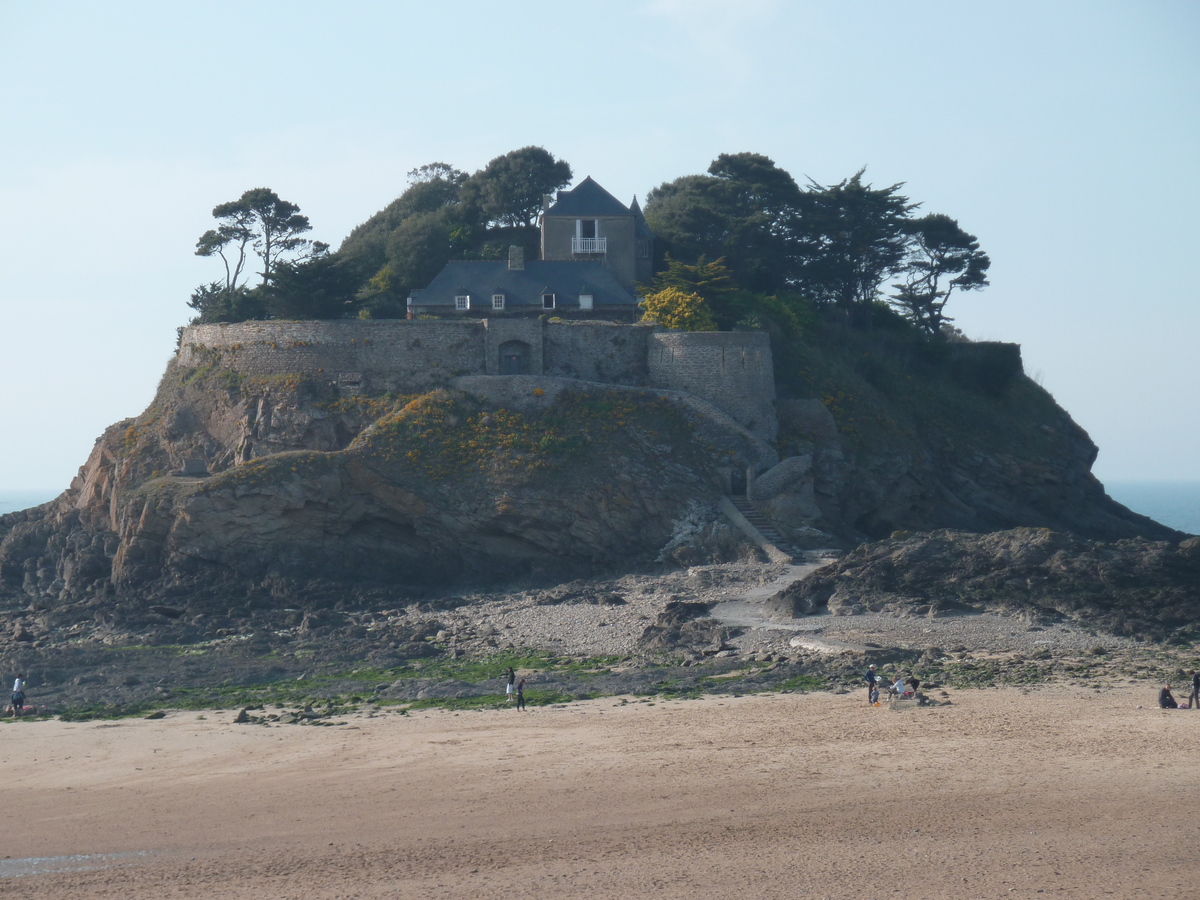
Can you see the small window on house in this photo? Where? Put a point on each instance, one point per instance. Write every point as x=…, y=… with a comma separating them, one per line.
x=547, y=301
x=462, y=301
x=586, y=228
x=497, y=301
x=585, y=301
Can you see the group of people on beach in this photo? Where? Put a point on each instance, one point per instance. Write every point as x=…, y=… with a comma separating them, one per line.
x=514, y=689
x=901, y=687
x=1166, y=699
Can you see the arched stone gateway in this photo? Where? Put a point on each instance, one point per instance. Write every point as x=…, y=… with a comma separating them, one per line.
x=514, y=358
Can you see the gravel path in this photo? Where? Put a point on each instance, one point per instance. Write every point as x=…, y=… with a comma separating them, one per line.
x=609, y=618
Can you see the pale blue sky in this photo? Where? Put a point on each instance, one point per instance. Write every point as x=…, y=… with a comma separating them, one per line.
x=1065, y=135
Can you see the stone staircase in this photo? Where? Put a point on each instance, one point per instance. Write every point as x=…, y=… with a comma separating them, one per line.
x=751, y=514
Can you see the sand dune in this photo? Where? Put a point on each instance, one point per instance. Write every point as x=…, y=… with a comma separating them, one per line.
x=1064, y=791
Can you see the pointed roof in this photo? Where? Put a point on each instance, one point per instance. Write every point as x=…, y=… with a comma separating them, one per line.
x=587, y=199
x=641, y=228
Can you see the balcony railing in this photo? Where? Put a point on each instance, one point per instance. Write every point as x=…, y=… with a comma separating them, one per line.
x=589, y=245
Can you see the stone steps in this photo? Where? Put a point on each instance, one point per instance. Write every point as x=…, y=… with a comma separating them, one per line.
x=756, y=518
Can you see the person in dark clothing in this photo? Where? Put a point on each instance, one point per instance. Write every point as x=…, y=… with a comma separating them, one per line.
x=872, y=685
x=914, y=682
x=1194, y=696
x=1165, y=700
x=521, y=694
x=18, y=695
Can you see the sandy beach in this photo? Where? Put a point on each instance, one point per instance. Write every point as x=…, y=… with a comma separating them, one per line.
x=1063, y=792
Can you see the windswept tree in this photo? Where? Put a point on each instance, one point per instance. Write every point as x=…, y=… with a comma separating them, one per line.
x=744, y=210
x=941, y=257
x=851, y=239
x=432, y=188
x=319, y=286
x=258, y=219
x=508, y=191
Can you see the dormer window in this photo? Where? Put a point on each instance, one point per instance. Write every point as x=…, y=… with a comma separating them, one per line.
x=547, y=301
x=497, y=301
x=585, y=301
x=462, y=301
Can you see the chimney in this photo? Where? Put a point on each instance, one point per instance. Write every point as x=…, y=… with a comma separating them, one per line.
x=547, y=201
x=516, y=258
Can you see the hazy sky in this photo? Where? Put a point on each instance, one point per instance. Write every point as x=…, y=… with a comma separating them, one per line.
x=1065, y=135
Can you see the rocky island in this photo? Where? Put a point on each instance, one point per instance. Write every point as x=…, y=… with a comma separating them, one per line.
x=495, y=483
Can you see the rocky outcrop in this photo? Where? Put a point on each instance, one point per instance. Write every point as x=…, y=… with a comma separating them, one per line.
x=314, y=495
x=302, y=491
x=910, y=445
x=1128, y=587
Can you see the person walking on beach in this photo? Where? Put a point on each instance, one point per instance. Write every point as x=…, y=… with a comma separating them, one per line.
x=508, y=688
x=18, y=695
x=1194, y=696
x=521, y=694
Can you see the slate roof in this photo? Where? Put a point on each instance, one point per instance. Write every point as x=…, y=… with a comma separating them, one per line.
x=566, y=279
x=641, y=228
x=587, y=199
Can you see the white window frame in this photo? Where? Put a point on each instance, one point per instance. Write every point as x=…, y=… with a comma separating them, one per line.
x=586, y=301
x=552, y=301
x=462, y=301
x=497, y=301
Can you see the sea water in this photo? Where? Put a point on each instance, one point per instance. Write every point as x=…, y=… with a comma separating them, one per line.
x=11, y=500
x=1175, y=504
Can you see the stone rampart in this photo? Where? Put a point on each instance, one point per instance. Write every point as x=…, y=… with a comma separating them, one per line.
x=598, y=351
x=390, y=355
x=731, y=370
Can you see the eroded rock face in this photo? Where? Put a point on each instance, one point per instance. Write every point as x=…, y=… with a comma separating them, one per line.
x=1135, y=586
x=302, y=493
x=313, y=494
x=998, y=463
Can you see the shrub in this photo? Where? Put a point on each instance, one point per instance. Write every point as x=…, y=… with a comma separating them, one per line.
x=677, y=309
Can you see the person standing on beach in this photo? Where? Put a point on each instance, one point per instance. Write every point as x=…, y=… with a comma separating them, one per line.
x=18, y=695
x=871, y=678
x=1194, y=696
x=521, y=694
x=508, y=688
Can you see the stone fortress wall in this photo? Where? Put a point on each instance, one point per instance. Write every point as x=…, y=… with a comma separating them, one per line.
x=731, y=370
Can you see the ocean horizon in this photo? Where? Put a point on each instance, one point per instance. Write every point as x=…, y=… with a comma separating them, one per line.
x=1175, y=504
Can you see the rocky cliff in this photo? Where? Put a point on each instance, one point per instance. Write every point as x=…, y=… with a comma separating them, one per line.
x=311, y=496
x=883, y=433
x=301, y=492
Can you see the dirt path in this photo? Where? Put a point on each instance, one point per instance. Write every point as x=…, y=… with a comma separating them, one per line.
x=1003, y=794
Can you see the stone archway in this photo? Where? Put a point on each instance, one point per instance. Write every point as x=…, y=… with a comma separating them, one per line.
x=514, y=358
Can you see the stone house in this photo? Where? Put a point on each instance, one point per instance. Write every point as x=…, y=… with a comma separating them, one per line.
x=594, y=253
